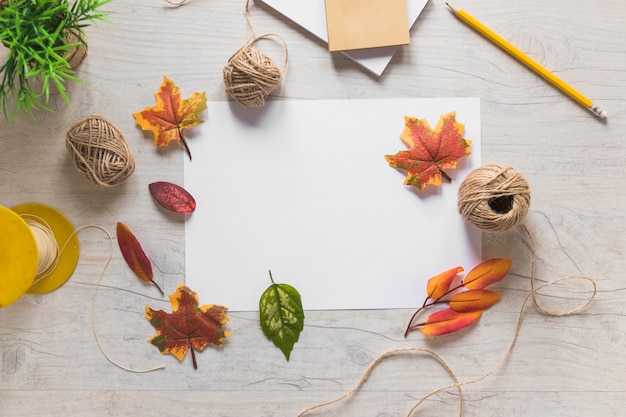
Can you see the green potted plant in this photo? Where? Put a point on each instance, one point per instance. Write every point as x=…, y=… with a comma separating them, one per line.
x=45, y=41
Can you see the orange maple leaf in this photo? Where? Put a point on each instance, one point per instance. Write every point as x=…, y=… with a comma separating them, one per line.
x=431, y=150
x=171, y=114
x=188, y=326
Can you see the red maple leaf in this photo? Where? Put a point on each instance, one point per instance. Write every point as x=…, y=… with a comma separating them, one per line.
x=188, y=326
x=431, y=150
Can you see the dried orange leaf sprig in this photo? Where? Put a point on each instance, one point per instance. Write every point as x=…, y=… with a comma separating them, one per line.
x=430, y=150
x=466, y=301
x=171, y=114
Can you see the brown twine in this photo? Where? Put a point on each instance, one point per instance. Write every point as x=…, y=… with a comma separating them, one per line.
x=494, y=198
x=76, y=55
x=250, y=76
x=99, y=151
x=176, y=3
x=534, y=291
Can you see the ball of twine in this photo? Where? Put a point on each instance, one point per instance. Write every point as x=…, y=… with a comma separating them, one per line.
x=250, y=75
x=100, y=152
x=494, y=198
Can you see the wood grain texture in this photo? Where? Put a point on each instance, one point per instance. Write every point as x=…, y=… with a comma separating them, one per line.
x=568, y=366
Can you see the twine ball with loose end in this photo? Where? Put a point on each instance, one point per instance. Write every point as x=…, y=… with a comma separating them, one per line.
x=250, y=75
x=494, y=198
x=99, y=152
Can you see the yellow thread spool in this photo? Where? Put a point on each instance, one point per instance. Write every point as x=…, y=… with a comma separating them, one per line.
x=19, y=257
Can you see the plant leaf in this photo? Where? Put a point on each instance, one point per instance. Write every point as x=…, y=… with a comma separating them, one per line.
x=430, y=150
x=448, y=321
x=281, y=316
x=188, y=326
x=486, y=273
x=473, y=300
x=172, y=197
x=439, y=285
x=134, y=255
x=171, y=114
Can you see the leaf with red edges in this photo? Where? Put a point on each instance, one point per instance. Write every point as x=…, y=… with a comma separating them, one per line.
x=430, y=150
x=134, y=255
x=172, y=197
x=439, y=285
x=448, y=321
x=473, y=300
x=487, y=273
x=171, y=114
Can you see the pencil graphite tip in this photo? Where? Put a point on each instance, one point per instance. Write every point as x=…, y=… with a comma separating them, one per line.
x=452, y=8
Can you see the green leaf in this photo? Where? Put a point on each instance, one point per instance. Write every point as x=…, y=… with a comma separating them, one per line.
x=281, y=315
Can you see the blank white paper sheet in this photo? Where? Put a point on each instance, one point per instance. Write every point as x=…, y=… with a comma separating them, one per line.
x=302, y=188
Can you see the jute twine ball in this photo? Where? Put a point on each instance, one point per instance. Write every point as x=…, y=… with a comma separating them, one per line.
x=77, y=54
x=494, y=198
x=99, y=152
x=250, y=75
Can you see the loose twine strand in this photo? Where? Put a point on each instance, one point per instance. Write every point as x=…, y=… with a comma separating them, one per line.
x=44, y=236
x=481, y=189
x=250, y=76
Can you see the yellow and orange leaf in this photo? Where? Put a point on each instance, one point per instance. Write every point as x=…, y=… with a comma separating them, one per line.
x=188, y=326
x=439, y=285
x=448, y=321
x=430, y=150
x=473, y=300
x=134, y=255
x=487, y=273
x=171, y=114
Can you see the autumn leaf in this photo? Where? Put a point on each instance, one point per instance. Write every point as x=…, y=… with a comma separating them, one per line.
x=134, y=255
x=171, y=114
x=172, y=197
x=467, y=297
x=473, y=300
x=430, y=150
x=448, y=321
x=281, y=315
x=188, y=326
x=439, y=285
x=487, y=273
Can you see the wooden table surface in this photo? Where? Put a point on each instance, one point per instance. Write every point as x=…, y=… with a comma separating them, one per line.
x=50, y=363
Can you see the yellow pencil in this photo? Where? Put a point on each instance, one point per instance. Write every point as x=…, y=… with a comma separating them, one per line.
x=526, y=60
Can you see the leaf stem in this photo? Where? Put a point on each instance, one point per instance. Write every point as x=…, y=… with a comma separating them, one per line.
x=193, y=356
x=159, y=288
x=426, y=304
x=446, y=176
x=184, y=142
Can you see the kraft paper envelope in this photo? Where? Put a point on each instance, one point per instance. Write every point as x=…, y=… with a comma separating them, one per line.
x=359, y=24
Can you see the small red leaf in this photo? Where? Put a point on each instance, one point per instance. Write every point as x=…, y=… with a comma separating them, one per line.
x=473, y=300
x=487, y=273
x=448, y=321
x=172, y=197
x=440, y=284
x=134, y=255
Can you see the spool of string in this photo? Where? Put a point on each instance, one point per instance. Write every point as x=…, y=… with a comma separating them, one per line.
x=250, y=75
x=494, y=198
x=47, y=246
x=99, y=152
